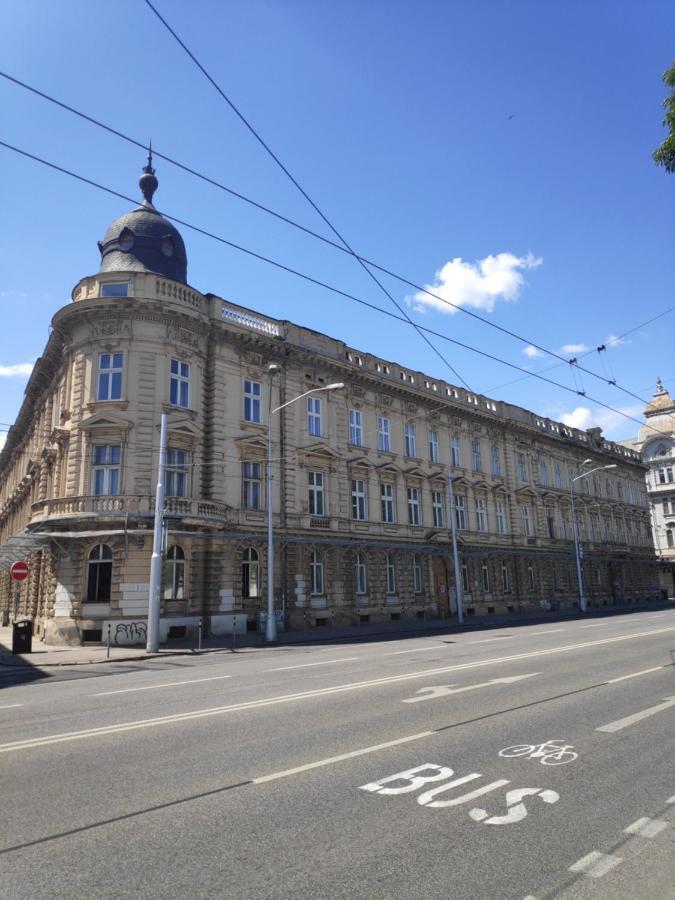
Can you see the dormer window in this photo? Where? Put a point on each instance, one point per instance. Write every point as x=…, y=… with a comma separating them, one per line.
x=126, y=240
x=167, y=246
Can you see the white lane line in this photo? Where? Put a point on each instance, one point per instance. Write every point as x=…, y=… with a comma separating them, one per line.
x=637, y=717
x=506, y=637
x=596, y=864
x=325, y=662
x=597, y=625
x=671, y=799
x=152, y=687
x=318, y=692
x=634, y=675
x=343, y=756
x=416, y=650
x=11, y=706
x=646, y=827
x=552, y=631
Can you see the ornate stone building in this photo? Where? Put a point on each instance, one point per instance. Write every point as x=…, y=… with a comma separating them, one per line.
x=656, y=444
x=360, y=474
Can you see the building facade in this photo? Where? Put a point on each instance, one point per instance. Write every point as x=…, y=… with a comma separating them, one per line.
x=656, y=444
x=360, y=475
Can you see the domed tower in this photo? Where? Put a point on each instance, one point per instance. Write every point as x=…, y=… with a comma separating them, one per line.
x=143, y=240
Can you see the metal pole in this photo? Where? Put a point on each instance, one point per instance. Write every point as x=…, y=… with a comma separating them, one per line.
x=199, y=635
x=152, y=645
x=575, y=532
x=107, y=652
x=455, y=552
x=270, y=624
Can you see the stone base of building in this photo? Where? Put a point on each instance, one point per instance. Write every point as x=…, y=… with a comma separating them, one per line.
x=61, y=631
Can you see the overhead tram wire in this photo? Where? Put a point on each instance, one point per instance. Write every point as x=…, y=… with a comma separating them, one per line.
x=311, y=280
x=304, y=193
x=333, y=244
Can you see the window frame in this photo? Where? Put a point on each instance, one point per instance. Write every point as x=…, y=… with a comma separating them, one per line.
x=414, y=506
x=388, y=501
x=110, y=469
x=94, y=567
x=409, y=440
x=384, y=434
x=390, y=573
x=417, y=574
x=360, y=574
x=359, y=500
x=252, y=401
x=316, y=578
x=251, y=485
x=176, y=474
x=356, y=428
x=316, y=493
x=180, y=386
x=250, y=561
x=314, y=417
x=111, y=375
x=434, y=456
x=175, y=563
x=438, y=499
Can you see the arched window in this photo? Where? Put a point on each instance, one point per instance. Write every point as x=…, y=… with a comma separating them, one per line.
x=174, y=574
x=669, y=536
x=250, y=574
x=316, y=569
x=99, y=574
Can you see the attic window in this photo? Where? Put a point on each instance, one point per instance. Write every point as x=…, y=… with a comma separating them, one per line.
x=114, y=289
x=167, y=246
x=126, y=240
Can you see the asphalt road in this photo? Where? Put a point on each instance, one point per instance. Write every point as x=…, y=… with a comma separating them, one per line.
x=270, y=772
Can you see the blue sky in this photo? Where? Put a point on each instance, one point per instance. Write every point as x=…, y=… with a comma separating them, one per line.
x=500, y=152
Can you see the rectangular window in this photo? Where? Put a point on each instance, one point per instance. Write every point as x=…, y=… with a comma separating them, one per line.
x=316, y=571
x=460, y=510
x=506, y=586
x=251, y=479
x=314, y=416
x=383, y=434
x=565, y=526
x=466, y=588
x=476, y=463
x=455, y=451
x=550, y=521
x=543, y=473
x=360, y=574
x=252, y=398
x=105, y=473
x=110, y=376
x=496, y=464
x=669, y=474
x=527, y=521
x=500, y=508
x=417, y=575
x=530, y=578
x=438, y=507
x=176, y=473
x=481, y=514
x=390, y=570
x=359, y=499
x=409, y=433
x=520, y=460
x=557, y=475
x=413, y=506
x=114, y=289
x=387, y=498
x=486, y=578
x=665, y=507
x=316, y=504
x=179, y=383
x=433, y=446
x=355, y=428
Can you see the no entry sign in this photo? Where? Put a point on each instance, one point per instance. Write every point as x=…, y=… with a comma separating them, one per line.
x=19, y=571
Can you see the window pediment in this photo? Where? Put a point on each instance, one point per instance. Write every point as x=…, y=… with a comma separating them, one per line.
x=105, y=422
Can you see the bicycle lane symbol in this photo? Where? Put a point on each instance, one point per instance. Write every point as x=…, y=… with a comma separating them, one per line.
x=549, y=753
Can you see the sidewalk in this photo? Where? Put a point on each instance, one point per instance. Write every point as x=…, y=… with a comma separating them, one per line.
x=47, y=656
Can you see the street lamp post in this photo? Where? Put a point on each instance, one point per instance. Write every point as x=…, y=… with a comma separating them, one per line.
x=271, y=624
x=459, y=599
x=575, y=527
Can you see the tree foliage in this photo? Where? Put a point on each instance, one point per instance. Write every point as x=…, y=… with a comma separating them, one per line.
x=664, y=155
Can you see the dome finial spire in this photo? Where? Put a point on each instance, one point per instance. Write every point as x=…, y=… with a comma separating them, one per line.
x=147, y=182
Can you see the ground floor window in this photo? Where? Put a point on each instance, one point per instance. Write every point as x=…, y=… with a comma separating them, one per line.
x=390, y=569
x=99, y=574
x=530, y=578
x=486, y=579
x=506, y=587
x=174, y=574
x=360, y=574
x=466, y=587
x=316, y=571
x=250, y=574
x=417, y=574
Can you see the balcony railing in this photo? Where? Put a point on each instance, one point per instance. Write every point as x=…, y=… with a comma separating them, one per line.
x=123, y=505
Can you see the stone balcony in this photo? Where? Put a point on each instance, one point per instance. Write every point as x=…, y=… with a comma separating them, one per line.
x=122, y=505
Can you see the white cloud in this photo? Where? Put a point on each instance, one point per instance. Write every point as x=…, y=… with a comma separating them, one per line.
x=613, y=340
x=613, y=423
x=22, y=369
x=532, y=352
x=574, y=348
x=478, y=285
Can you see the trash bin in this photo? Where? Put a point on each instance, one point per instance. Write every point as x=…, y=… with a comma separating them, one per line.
x=22, y=636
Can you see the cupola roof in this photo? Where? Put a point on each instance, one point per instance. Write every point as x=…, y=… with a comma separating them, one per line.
x=661, y=401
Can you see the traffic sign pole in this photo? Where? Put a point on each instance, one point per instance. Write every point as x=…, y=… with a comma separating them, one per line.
x=19, y=572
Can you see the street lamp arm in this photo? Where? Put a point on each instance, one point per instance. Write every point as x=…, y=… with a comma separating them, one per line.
x=590, y=471
x=328, y=387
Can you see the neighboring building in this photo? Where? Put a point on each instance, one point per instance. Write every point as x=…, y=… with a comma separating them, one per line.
x=360, y=504
x=656, y=444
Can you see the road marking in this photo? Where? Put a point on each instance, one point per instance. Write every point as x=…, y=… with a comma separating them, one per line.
x=11, y=706
x=325, y=662
x=646, y=827
x=671, y=799
x=596, y=864
x=633, y=675
x=152, y=687
x=505, y=637
x=552, y=631
x=637, y=717
x=597, y=625
x=416, y=650
x=432, y=693
x=318, y=692
x=341, y=757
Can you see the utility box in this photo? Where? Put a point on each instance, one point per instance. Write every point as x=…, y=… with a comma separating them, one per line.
x=22, y=636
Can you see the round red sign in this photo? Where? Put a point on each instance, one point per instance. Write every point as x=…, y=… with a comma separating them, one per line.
x=19, y=571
